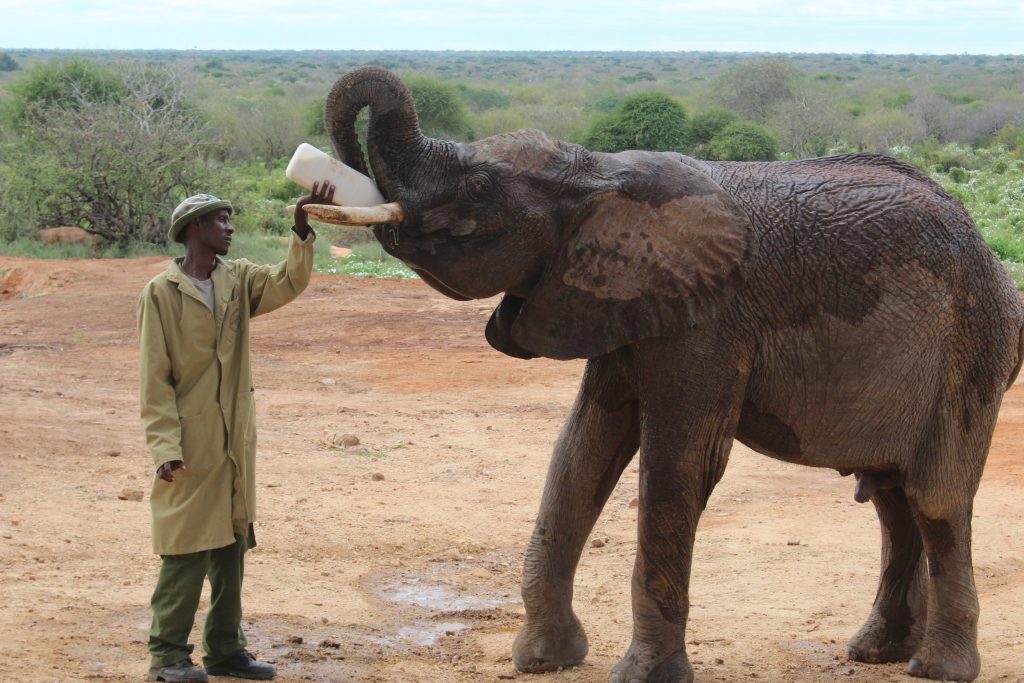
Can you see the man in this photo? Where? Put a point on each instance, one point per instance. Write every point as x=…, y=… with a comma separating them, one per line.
x=197, y=409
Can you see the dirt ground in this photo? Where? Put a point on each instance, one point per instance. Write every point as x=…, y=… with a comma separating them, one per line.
x=399, y=558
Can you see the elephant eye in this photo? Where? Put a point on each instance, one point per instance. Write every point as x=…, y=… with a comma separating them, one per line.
x=478, y=185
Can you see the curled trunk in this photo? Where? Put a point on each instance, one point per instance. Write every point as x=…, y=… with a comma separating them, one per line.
x=394, y=139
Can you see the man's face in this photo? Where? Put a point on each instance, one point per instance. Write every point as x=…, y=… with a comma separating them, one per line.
x=213, y=231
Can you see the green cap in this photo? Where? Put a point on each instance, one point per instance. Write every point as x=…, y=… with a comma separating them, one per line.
x=191, y=209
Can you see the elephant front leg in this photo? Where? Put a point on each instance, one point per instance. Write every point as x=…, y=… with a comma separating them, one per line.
x=597, y=442
x=687, y=435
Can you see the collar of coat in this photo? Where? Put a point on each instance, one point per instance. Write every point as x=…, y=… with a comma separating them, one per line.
x=223, y=277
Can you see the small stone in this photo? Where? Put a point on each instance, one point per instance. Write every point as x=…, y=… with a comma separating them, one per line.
x=377, y=476
x=130, y=494
x=327, y=381
x=330, y=642
x=349, y=440
x=598, y=542
x=793, y=541
x=113, y=453
x=295, y=640
x=719, y=660
x=635, y=503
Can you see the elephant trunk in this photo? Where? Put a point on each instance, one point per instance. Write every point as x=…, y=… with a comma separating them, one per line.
x=396, y=146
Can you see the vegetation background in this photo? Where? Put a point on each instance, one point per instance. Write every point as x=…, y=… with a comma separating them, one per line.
x=111, y=141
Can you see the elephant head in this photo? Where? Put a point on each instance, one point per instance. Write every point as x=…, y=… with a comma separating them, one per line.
x=593, y=251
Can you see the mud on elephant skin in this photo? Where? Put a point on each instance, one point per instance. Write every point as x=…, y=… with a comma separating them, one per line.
x=841, y=312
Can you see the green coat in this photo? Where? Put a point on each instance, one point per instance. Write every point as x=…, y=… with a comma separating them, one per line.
x=196, y=394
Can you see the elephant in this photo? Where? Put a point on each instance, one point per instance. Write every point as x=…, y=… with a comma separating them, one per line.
x=840, y=312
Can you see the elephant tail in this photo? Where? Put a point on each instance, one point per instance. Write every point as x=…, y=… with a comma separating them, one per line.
x=1020, y=360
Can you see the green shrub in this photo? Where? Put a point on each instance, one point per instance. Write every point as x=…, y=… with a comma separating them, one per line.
x=637, y=77
x=7, y=62
x=605, y=105
x=651, y=121
x=64, y=84
x=958, y=175
x=483, y=99
x=106, y=163
x=707, y=124
x=742, y=141
x=1011, y=136
x=440, y=110
x=1008, y=245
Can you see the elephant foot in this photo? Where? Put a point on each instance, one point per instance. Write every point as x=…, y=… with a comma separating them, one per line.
x=549, y=646
x=946, y=663
x=643, y=665
x=877, y=643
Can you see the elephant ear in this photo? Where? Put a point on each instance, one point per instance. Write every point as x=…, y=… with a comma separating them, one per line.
x=661, y=253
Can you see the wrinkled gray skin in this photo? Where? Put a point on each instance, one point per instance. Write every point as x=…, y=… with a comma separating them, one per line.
x=840, y=312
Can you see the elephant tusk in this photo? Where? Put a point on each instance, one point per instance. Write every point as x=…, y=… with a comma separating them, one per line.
x=354, y=215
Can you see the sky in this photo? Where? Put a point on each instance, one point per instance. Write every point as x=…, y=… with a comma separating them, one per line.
x=849, y=26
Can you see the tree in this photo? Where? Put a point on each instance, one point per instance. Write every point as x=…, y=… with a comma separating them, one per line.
x=651, y=121
x=440, y=110
x=810, y=123
x=7, y=62
x=744, y=141
x=64, y=84
x=887, y=128
x=705, y=126
x=313, y=115
x=753, y=88
x=112, y=165
x=942, y=120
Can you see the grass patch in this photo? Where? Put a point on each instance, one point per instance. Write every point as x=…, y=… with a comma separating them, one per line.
x=25, y=247
x=367, y=259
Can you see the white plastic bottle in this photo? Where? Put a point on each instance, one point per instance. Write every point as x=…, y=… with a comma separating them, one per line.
x=309, y=165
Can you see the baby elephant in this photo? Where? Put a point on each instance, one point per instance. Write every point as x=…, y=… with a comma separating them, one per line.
x=840, y=312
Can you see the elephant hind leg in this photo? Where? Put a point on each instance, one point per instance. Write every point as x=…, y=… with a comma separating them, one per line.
x=940, y=493
x=949, y=649
x=895, y=627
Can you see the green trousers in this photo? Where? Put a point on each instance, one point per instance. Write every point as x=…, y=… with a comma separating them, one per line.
x=176, y=600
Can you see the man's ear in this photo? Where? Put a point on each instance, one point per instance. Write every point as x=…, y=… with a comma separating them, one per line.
x=654, y=257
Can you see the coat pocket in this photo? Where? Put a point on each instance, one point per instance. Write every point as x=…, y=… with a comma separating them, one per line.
x=202, y=440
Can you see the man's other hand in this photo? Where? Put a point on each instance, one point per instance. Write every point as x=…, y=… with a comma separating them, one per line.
x=166, y=471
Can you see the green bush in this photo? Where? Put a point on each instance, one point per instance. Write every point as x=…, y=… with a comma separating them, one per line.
x=483, y=99
x=7, y=62
x=440, y=110
x=742, y=141
x=958, y=175
x=707, y=124
x=63, y=84
x=651, y=121
x=107, y=163
x=1011, y=136
x=637, y=77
